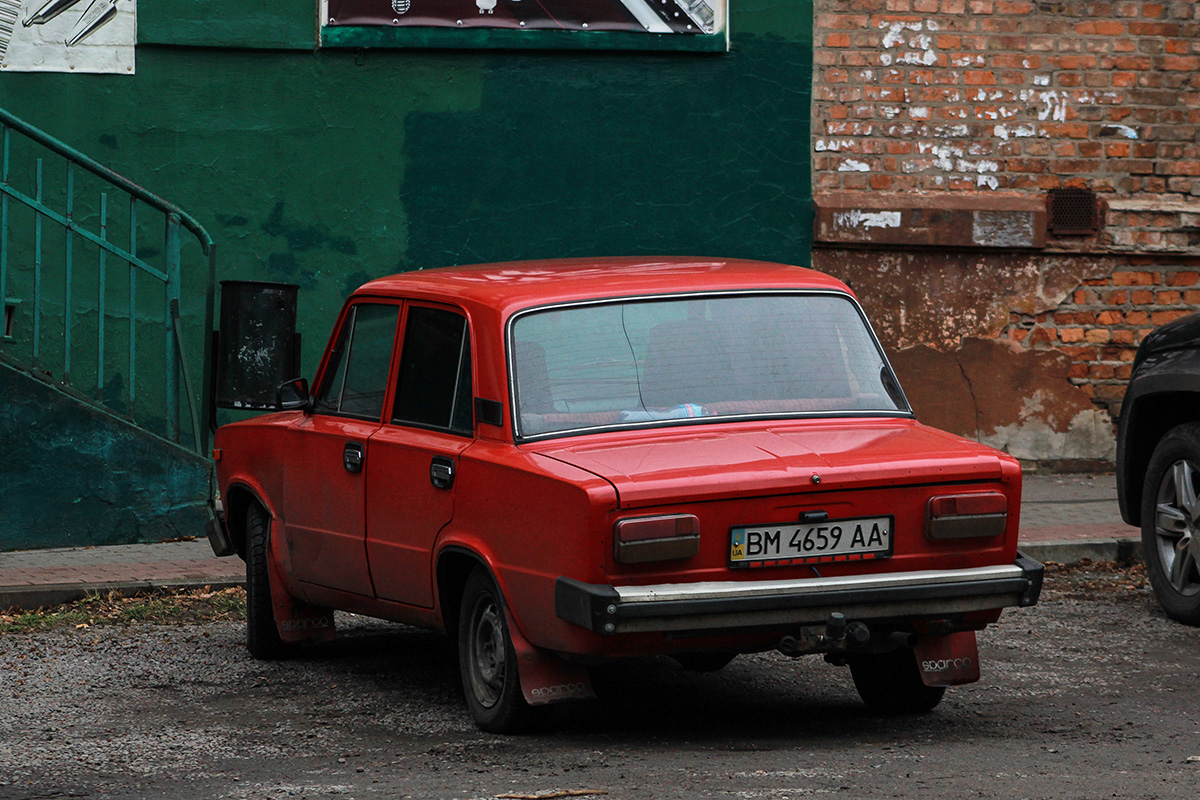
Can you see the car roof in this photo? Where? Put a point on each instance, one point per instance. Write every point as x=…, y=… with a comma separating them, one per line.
x=517, y=284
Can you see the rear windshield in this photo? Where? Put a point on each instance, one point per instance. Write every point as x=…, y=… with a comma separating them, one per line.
x=663, y=362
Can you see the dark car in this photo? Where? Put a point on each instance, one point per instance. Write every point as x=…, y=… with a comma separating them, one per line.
x=1158, y=462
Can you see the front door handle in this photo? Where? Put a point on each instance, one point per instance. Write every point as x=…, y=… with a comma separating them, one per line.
x=352, y=457
x=441, y=472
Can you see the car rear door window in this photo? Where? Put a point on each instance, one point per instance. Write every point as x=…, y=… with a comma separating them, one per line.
x=357, y=376
x=434, y=385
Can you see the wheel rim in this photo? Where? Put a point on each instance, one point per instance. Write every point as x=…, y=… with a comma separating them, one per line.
x=1177, y=527
x=486, y=652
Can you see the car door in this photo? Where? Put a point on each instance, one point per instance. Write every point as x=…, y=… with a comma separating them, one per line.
x=415, y=455
x=327, y=453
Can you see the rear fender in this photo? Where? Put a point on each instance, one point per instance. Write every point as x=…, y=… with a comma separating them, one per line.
x=546, y=678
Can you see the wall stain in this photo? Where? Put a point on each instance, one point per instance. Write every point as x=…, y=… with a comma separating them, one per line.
x=301, y=236
x=285, y=267
x=997, y=392
x=353, y=282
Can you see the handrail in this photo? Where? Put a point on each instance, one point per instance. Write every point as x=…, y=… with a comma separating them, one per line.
x=169, y=277
x=101, y=171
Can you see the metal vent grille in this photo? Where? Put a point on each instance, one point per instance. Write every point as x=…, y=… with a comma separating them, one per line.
x=1073, y=212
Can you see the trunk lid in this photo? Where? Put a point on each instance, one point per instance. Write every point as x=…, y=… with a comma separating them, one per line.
x=760, y=459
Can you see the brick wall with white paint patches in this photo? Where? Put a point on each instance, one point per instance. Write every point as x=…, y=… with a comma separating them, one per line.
x=1007, y=95
x=928, y=110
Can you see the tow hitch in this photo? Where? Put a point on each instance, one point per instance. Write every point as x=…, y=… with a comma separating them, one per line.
x=839, y=637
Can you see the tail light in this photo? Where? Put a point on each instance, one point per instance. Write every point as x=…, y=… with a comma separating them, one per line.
x=966, y=516
x=664, y=538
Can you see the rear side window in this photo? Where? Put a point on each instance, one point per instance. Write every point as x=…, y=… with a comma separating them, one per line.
x=434, y=387
x=357, y=376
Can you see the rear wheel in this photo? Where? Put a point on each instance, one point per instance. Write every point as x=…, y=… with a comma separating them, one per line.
x=487, y=660
x=262, y=635
x=1171, y=523
x=890, y=683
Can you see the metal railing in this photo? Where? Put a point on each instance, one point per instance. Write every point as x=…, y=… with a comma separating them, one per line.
x=79, y=317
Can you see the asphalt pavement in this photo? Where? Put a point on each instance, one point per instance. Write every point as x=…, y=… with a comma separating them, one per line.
x=1064, y=519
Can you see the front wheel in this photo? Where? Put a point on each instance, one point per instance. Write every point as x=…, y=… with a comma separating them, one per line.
x=1171, y=523
x=890, y=683
x=262, y=635
x=487, y=660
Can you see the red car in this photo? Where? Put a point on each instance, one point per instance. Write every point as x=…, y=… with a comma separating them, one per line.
x=565, y=462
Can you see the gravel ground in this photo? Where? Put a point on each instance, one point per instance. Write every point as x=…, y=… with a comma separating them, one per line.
x=1090, y=694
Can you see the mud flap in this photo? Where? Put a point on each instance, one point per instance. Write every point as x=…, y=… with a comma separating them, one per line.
x=950, y=660
x=296, y=620
x=546, y=678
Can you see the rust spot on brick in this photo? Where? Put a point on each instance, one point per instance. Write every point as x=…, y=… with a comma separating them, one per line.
x=939, y=297
x=1000, y=393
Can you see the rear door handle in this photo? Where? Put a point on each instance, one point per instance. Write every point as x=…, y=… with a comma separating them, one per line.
x=352, y=457
x=441, y=472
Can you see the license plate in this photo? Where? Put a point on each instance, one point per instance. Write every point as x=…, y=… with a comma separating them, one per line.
x=811, y=543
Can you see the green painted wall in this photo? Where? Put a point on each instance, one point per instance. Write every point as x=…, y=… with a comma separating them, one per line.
x=262, y=24
x=73, y=476
x=329, y=167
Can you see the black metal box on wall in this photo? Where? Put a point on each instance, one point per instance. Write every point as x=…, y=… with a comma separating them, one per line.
x=257, y=344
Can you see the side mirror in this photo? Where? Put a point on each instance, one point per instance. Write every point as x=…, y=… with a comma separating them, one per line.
x=293, y=396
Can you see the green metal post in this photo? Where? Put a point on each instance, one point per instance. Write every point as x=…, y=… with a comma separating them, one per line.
x=206, y=394
x=132, y=305
x=103, y=292
x=4, y=231
x=172, y=354
x=67, y=301
x=37, y=264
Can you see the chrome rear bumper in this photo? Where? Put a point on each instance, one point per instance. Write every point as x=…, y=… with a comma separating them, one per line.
x=740, y=605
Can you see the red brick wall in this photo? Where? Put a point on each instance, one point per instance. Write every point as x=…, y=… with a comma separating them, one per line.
x=968, y=95
x=1100, y=324
x=1008, y=99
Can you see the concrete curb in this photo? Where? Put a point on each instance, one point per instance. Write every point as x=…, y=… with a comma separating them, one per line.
x=1122, y=551
x=30, y=598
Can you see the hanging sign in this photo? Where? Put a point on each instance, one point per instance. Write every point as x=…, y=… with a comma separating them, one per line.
x=685, y=17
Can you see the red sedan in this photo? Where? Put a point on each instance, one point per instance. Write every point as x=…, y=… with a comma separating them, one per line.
x=564, y=462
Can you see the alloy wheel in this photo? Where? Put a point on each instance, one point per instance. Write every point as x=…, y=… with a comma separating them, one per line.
x=1177, y=527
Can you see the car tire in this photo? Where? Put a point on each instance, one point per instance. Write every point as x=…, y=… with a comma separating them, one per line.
x=1171, y=523
x=487, y=660
x=262, y=634
x=890, y=683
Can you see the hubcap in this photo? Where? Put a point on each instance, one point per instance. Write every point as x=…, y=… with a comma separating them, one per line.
x=1177, y=527
x=487, y=652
